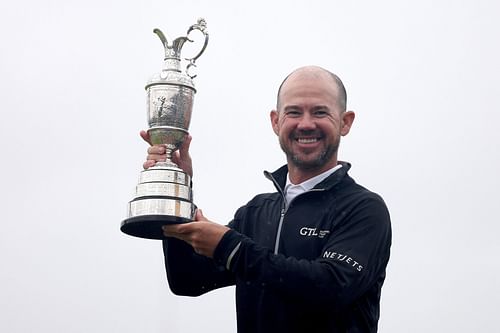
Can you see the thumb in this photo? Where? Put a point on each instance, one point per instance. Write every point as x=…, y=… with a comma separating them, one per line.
x=145, y=136
x=199, y=215
x=184, y=148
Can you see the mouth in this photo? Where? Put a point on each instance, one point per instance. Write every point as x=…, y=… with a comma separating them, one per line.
x=307, y=140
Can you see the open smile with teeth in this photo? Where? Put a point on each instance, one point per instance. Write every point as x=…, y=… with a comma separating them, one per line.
x=307, y=140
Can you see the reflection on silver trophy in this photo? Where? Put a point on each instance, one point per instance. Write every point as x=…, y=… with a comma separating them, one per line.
x=163, y=195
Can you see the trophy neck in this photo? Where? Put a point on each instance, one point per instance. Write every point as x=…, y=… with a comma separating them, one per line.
x=172, y=65
x=169, y=150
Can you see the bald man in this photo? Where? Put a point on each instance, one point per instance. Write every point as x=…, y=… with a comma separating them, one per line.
x=310, y=257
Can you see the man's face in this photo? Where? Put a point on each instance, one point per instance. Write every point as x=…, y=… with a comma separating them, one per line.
x=309, y=121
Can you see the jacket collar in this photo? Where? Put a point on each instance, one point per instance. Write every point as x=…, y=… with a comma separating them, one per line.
x=278, y=177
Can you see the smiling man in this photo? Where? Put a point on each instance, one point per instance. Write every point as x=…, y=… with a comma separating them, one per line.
x=310, y=118
x=310, y=257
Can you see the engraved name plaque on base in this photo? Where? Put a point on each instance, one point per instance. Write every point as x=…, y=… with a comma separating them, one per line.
x=163, y=195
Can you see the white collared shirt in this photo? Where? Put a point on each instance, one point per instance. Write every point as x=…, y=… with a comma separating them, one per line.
x=292, y=190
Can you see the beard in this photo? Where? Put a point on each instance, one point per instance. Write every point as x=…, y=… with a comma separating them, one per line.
x=320, y=159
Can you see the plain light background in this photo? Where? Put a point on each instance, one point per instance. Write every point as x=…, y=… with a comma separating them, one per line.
x=422, y=77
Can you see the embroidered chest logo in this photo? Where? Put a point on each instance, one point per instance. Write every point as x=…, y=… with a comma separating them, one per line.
x=313, y=232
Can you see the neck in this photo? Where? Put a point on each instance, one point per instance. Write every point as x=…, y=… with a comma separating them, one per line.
x=299, y=174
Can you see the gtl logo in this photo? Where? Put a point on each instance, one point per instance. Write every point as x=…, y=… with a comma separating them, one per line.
x=313, y=232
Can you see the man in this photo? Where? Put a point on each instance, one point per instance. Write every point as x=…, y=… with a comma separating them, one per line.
x=310, y=257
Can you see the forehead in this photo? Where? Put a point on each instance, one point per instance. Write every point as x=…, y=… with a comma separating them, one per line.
x=309, y=87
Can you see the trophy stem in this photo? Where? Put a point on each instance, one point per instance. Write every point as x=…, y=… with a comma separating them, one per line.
x=169, y=150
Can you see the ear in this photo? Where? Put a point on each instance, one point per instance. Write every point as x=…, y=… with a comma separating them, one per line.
x=274, y=121
x=347, y=120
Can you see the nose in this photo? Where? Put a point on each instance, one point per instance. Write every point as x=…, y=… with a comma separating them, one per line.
x=306, y=122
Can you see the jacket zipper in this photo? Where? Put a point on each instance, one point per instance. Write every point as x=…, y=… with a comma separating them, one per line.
x=285, y=206
x=278, y=234
x=282, y=215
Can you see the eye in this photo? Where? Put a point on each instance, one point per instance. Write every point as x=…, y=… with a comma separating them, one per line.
x=293, y=113
x=320, y=113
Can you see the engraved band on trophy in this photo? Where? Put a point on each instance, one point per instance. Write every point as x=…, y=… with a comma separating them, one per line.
x=163, y=195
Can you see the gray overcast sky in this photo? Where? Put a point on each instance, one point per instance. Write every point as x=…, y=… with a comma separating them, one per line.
x=422, y=76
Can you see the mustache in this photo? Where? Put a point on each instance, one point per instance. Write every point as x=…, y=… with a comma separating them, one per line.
x=308, y=133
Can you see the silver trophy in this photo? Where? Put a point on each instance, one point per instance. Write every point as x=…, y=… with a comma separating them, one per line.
x=163, y=195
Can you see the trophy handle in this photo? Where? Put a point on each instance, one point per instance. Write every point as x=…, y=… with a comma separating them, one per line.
x=201, y=25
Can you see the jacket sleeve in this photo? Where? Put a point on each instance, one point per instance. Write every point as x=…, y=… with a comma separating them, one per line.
x=190, y=274
x=352, y=260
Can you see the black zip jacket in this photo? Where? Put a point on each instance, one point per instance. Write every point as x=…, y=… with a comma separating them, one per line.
x=316, y=266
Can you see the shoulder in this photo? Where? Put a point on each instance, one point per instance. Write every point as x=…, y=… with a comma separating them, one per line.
x=350, y=188
x=260, y=200
x=361, y=204
x=262, y=197
x=259, y=207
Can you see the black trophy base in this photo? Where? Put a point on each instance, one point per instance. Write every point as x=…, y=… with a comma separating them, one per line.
x=149, y=226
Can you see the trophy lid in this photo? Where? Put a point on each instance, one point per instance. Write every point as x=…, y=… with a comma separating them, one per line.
x=171, y=72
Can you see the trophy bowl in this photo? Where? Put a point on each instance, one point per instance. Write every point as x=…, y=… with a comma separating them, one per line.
x=172, y=137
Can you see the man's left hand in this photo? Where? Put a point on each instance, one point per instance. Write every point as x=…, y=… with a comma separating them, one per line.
x=202, y=234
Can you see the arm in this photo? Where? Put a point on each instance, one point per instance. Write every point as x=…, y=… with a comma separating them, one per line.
x=188, y=250
x=188, y=273
x=351, y=262
x=191, y=274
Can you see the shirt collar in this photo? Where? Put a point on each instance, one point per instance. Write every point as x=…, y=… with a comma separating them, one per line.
x=311, y=182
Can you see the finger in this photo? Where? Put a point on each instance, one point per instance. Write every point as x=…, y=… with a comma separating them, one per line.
x=155, y=154
x=148, y=164
x=199, y=215
x=184, y=148
x=145, y=136
x=157, y=150
x=180, y=231
x=170, y=231
x=182, y=154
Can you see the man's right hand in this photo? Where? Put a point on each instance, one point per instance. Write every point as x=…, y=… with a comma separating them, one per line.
x=156, y=153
